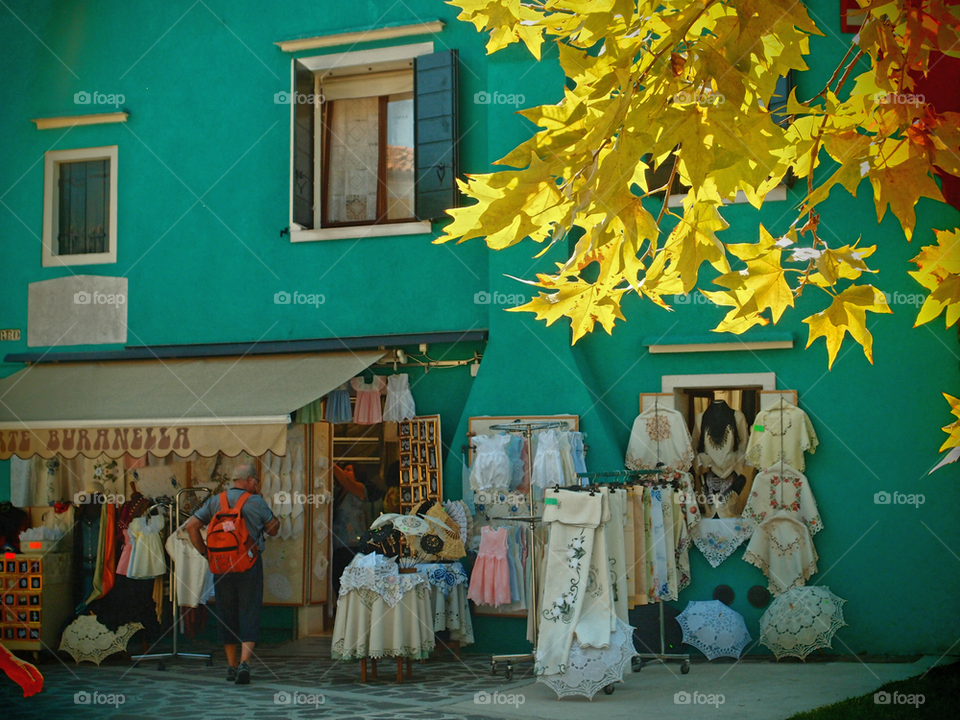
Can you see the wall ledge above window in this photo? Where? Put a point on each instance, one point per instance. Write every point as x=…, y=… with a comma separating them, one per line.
x=351, y=37
x=74, y=120
x=421, y=227
x=719, y=342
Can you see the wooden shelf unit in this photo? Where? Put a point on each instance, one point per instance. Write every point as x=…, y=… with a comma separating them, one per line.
x=36, y=600
x=420, y=461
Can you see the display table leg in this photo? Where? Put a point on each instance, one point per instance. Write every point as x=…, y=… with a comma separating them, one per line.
x=399, y=670
x=363, y=670
x=409, y=669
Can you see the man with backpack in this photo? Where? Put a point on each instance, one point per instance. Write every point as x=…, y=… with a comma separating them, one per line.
x=235, y=541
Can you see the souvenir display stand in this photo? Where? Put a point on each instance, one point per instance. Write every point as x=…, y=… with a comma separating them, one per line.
x=178, y=514
x=623, y=477
x=526, y=429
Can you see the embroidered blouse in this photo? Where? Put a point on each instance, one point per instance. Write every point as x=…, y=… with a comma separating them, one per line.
x=782, y=432
x=659, y=435
x=722, y=459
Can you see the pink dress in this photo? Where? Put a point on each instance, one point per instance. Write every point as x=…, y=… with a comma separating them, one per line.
x=124, y=562
x=490, y=582
x=368, y=410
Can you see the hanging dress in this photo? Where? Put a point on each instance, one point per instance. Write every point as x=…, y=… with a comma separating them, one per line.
x=400, y=404
x=368, y=410
x=148, y=559
x=490, y=582
x=338, y=406
x=491, y=467
x=547, y=465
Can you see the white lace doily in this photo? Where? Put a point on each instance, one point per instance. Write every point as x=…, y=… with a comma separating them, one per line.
x=590, y=669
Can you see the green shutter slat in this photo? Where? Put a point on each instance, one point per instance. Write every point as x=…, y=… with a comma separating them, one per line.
x=78, y=206
x=63, y=224
x=96, y=196
x=303, y=148
x=435, y=133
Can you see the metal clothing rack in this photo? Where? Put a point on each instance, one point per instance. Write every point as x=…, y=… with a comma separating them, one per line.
x=527, y=429
x=662, y=656
x=173, y=523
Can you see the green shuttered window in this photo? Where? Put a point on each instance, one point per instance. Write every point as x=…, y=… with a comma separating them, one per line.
x=84, y=207
x=375, y=147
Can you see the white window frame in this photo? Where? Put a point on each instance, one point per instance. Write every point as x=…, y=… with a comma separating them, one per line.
x=679, y=384
x=336, y=66
x=51, y=205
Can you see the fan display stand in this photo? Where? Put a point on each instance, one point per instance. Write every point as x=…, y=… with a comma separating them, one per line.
x=526, y=429
x=174, y=523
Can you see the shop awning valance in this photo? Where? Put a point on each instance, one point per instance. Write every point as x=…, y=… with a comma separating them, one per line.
x=229, y=405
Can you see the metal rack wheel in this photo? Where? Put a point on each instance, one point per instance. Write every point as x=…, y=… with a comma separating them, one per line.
x=685, y=667
x=493, y=668
x=161, y=665
x=636, y=665
x=608, y=690
x=508, y=673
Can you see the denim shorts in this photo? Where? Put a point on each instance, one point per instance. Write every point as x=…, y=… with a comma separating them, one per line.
x=239, y=597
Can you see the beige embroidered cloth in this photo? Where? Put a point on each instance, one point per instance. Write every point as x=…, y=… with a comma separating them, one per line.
x=782, y=548
x=573, y=519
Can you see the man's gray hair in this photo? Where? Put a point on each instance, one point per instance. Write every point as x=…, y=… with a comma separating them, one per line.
x=244, y=472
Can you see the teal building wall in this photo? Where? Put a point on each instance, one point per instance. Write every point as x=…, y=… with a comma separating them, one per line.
x=203, y=195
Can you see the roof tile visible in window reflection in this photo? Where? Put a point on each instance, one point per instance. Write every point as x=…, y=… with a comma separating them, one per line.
x=399, y=158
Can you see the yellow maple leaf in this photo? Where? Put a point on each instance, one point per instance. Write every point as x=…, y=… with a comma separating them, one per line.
x=953, y=429
x=847, y=313
x=745, y=313
x=763, y=280
x=939, y=271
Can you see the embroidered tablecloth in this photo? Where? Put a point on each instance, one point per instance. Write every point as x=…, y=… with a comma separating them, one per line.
x=447, y=585
x=367, y=626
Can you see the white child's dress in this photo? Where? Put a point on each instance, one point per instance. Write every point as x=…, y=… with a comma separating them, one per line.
x=491, y=467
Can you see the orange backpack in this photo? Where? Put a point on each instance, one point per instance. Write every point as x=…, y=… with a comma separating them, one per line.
x=229, y=546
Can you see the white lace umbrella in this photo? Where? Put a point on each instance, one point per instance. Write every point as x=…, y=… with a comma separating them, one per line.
x=86, y=638
x=801, y=620
x=590, y=669
x=714, y=629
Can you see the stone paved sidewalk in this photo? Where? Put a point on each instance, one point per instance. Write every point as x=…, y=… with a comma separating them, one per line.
x=299, y=680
